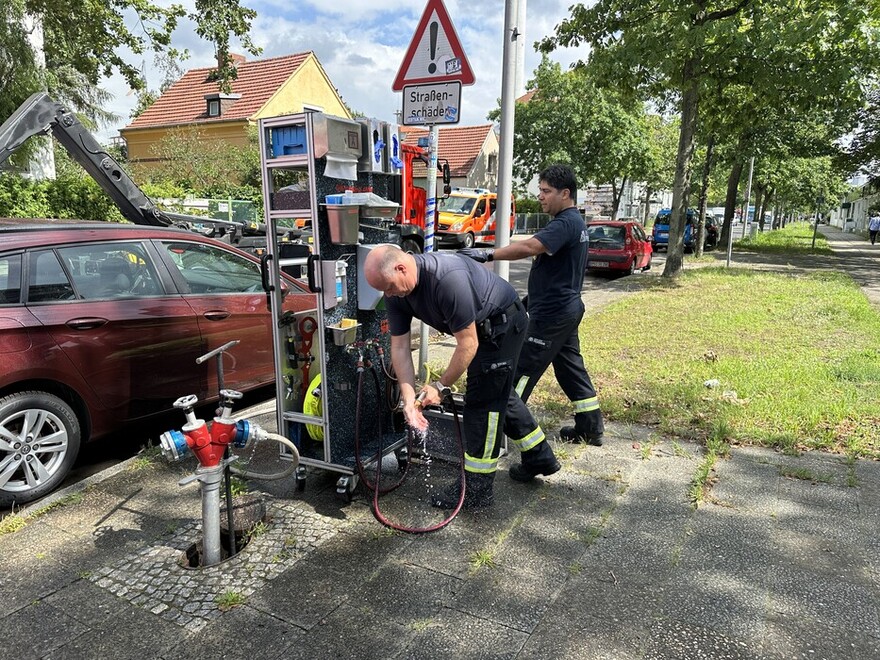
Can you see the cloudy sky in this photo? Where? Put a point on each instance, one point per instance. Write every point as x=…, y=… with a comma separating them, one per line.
x=361, y=44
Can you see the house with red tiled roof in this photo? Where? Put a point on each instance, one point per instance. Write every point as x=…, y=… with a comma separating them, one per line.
x=472, y=152
x=263, y=88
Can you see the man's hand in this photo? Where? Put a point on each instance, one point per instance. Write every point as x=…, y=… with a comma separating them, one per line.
x=478, y=254
x=414, y=417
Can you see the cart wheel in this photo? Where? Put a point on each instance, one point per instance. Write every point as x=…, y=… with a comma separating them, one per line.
x=345, y=489
x=300, y=479
x=402, y=455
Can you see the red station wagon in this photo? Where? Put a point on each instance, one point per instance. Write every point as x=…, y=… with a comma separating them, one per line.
x=100, y=325
x=618, y=245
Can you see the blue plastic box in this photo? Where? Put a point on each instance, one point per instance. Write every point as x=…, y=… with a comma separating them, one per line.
x=334, y=199
x=289, y=141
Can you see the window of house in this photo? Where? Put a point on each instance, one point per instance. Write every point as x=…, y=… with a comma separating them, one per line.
x=493, y=164
x=214, y=108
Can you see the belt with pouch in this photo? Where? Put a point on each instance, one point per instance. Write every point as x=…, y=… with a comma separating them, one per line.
x=500, y=319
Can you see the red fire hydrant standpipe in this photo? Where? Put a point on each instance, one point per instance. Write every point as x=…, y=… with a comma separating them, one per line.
x=208, y=446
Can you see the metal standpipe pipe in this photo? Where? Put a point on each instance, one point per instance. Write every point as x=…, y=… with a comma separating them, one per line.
x=209, y=482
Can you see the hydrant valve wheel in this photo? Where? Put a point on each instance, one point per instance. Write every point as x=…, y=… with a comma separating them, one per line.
x=188, y=401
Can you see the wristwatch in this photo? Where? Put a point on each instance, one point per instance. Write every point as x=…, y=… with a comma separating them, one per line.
x=443, y=390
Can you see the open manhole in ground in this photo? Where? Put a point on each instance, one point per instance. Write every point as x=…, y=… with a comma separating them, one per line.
x=248, y=516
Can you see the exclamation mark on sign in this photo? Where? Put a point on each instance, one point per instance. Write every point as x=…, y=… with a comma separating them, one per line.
x=433, y=67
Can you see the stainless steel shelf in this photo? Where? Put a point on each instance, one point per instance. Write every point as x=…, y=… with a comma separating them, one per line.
x=298, y=160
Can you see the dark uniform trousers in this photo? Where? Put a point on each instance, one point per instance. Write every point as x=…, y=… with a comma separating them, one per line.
x=490, y=378
x=553, y=341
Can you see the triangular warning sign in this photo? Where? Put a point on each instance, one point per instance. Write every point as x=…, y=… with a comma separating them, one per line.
x=435, y=53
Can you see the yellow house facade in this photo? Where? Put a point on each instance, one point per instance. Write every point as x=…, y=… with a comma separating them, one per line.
x=263, y=88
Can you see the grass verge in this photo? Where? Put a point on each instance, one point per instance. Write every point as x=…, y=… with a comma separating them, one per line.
x=794, y=238
x=796, y=358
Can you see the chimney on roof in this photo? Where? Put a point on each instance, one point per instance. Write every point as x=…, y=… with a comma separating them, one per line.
x=235, y=57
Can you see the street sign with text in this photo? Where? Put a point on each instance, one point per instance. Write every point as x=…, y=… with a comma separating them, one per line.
x=439, y=103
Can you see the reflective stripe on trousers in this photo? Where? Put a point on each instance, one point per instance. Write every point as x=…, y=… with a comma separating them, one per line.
x=586, y=405
x=530, y=441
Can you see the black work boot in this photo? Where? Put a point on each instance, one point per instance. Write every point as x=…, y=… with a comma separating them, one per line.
x=478, y=492
x=535, y=461
x=571, y=434
x=580, y=432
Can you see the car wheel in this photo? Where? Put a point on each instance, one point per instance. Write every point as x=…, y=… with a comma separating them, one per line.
x=410, y=246
x=467, y=241
x=39, y=441
x=632, y=267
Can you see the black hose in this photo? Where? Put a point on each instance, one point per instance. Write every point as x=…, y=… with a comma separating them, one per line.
x=377, y=457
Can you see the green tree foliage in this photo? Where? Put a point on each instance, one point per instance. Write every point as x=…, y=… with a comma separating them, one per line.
x=606, y=138
x=791, y=57
x=84, y=42
x=862, y=153
x=22, y=198
x=205, y=167
x=72, y=194
x=527, y=205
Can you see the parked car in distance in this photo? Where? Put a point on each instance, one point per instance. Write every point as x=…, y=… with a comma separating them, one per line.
x=100, y=325
x=618, y=245
x=712, y=231
x=660, y=232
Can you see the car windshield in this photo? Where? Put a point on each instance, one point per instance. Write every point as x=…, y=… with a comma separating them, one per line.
x=606, y=236
x=663, y=219
x=457, y=205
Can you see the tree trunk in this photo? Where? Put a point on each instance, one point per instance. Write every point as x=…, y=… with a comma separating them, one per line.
x=648, y=192
x=765, y=203
x=730, y=201
x=704, y=197
x=759, y=201
x=683, y=161
x=616, y=194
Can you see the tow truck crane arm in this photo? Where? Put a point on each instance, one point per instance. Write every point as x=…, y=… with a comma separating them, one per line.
x=41, y=115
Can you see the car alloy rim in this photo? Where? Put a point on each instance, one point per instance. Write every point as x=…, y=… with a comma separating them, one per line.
x=33, y=444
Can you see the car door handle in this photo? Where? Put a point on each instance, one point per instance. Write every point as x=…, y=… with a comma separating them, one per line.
x=86, y=323
x=217, y=315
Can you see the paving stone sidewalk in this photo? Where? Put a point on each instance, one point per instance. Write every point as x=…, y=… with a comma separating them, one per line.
x=606, y=559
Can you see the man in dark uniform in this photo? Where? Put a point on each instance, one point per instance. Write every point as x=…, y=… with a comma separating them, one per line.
x=455, y=295
x=555, y=312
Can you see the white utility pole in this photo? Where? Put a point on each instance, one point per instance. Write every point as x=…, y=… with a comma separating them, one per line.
x=519, y=85
x=430, y=219
x=505, y=155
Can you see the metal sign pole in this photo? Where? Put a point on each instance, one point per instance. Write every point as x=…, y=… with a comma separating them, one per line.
x=505, y=156
x=430, y=214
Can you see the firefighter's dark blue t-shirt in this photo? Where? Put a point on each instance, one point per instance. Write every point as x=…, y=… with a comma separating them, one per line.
x=557, y=277
x=453, y=291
